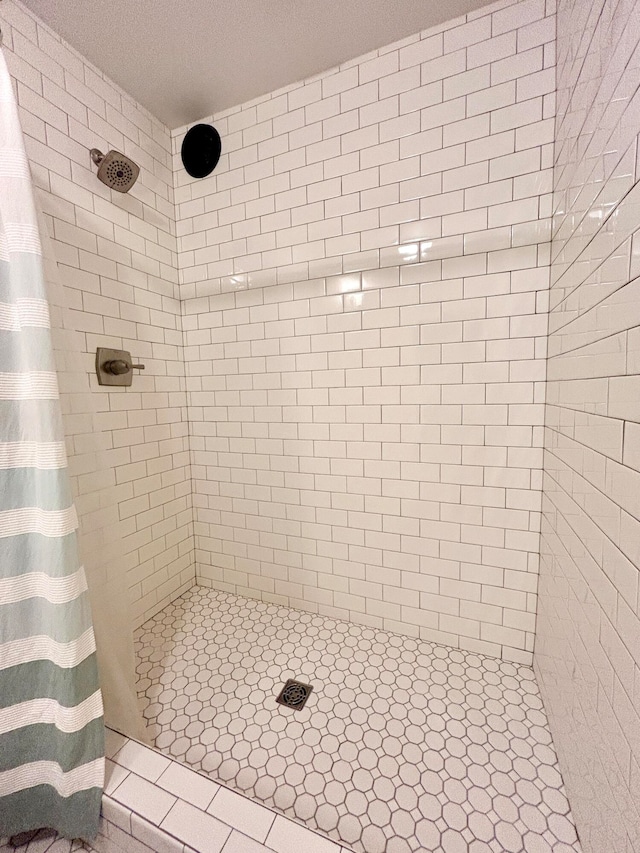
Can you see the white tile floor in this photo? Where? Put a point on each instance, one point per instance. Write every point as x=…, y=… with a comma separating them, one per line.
x=42, y=841
x=403, y=745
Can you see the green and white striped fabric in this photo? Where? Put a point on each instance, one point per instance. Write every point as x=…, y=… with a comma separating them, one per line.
x=51, y=726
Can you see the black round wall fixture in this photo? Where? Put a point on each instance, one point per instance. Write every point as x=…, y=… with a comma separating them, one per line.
x=201, y=150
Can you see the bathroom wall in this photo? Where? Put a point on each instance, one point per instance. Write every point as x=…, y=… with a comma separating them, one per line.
x=365, y=283
x=117, y=268
x=588, y=642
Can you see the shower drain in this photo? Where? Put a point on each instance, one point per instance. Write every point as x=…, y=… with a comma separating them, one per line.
x=294, y=694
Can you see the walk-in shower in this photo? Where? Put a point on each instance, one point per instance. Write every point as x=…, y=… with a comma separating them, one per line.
x=361, y=539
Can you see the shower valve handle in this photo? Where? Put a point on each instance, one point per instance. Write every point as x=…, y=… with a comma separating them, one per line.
x=118, y=366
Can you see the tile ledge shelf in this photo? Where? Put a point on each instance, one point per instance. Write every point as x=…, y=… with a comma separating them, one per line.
x=423, y=253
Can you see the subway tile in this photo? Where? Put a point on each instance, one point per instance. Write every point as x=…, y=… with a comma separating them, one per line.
x=141, y=760
x=196, y=828
x=242, y=813
x=188, y=785
x=239, y=843
x=285, y=834
x=144, y=798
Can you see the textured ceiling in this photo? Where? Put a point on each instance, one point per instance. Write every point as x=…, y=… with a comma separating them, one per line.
x=185, y=59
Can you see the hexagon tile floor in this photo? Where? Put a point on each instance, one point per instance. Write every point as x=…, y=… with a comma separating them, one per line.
x=402, y=746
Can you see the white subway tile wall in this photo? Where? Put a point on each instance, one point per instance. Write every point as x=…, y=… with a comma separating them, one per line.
x=436, y=147
x=117, y=257
x=588, y=643
x=365, y=290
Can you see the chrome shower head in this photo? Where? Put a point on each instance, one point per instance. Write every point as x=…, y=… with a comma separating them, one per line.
x=115, y=170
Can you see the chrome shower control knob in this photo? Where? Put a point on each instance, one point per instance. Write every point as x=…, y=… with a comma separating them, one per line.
x=117, y=367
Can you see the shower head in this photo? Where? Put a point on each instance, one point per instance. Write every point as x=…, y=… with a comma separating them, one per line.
x=115, y=170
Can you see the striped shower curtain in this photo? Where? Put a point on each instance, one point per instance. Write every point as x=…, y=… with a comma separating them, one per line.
x=51, y=726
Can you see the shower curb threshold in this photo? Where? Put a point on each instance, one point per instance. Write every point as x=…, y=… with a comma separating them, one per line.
x=154, y=804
